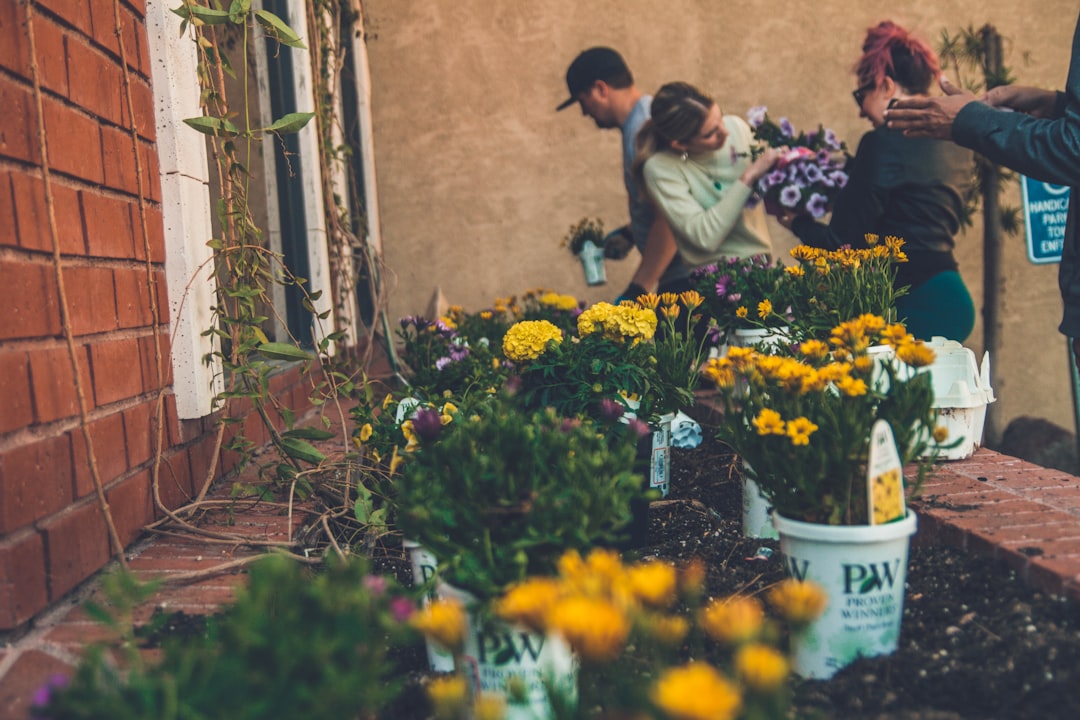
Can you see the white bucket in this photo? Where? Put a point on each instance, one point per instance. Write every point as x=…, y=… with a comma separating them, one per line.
x=764, y=339
x=496, y=651
x=863, y=569
x=424, y=567
x=592, y=260
x=756, y=521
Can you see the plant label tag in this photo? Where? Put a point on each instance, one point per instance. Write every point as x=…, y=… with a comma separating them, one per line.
x=884, y=477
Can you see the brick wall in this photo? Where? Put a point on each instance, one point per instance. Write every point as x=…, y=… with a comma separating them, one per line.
x=52, y=528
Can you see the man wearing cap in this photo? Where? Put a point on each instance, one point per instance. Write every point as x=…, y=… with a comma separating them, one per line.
x=600, y=81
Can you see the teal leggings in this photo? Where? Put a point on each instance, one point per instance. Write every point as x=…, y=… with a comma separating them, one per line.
x=941, y=306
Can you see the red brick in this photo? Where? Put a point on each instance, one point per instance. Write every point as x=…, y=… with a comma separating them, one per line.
x=76, y=12
x=77, y=545
x=91, y=299
x=132, y=297
x=15, y=50
x=22, y=578
x=1033, y=477
x=119, y=158
x=74, y=142
x=161, y=288
x=35, y=481
x=96, y=81
x=174, y=480
x=8, y=236
x=201, y=458
x=155, y=227
x=32, y=219
x=131, y=506
x=114, y=366
x=172, y=434
x=18, y=407
x=107, y=437
x=50, y=41
x=53, y=383
x=104, y=33
x=154, y=377
x=32, y=668
x=108, y=223
x=142, y=100
x=18, y=132
x=1051, y=574
x=31, y=301
x=139, y=426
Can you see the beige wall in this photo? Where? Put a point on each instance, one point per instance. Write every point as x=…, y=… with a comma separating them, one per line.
x=479, y=178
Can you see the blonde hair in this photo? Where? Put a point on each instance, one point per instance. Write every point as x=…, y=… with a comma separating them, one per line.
x=678, y=111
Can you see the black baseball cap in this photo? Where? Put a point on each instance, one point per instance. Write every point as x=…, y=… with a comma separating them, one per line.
x=598, y=63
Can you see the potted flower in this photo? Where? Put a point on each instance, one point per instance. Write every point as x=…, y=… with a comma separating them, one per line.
x=440, y=359
x=750, y=298
x=809, y=178
x=586, y=241
x=804, y=425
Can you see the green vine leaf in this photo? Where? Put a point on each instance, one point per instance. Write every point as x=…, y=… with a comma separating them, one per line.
x=301, y=450
x=309, y=433
x=212, y=126
x=291, y=123
x=283, y=351
x=277, y=29
x=204, y=14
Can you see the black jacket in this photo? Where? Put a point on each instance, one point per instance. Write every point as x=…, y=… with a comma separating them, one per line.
x=1046, y=150
x=908, y=187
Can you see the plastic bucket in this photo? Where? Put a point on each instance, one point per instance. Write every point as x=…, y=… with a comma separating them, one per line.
x=496, y=651
x=424, y=567
x=863, y=569
x=756, y=520
x=592, y=260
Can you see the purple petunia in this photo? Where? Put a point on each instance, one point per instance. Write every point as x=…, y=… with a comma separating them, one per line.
x=831, y=141
x=427, y=423
x=839, y=177
x=787, y=128
x=813, y=173
x=817, y=205
x=790, y=196
x=756, y=115
x=776, y=177
x=442, y=362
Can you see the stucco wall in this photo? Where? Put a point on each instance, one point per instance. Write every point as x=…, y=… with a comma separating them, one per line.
x=479, y=178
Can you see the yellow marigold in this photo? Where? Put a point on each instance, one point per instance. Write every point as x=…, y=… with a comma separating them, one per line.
x=769, y=422
x=795, y=270
x=668, y=630
x=528, y=339
x=595, y=628
x=734, y=620
x=741, y=311
x=764, y=308
x=696, y=691
x=653, y=583
x=762, y=668
x=799, y=601
x=442, y=620
x=365, y=432
x=632, y=323
x=915, y=354
x=529, y=602
x=941, y=433
x=691, y=298
x=799, y=430
x=448, y=694
x=592, y=319
x=557, y=301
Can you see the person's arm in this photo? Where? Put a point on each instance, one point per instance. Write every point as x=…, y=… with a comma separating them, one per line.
x=1032, y=101
x=700, y=232
x=926, y=116
x=660, y=249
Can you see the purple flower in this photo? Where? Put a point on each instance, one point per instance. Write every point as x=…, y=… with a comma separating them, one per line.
x=376, y=584
x=734, y=297
x=442, y=362
x=722, y=286
x=813, y=173
x=611, y=409
x=639, y=427
x=839, y=177
x=427, y=423
x=756, y=115
x=568, y=424
x=786, y=127
x=790, y=196
x=776, y=177
x=401, y=609
x=43, y=695
x=831, y=141
x=824, y=158
x=817, y=205
x=459, y=352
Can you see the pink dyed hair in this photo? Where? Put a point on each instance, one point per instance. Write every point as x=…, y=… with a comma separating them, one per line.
x=890, y=50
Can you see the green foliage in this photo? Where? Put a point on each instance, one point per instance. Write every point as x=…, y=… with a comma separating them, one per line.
x=586, y=229
x=442, y=360
x=733, y=291
x=498, y=494
x=295, y=644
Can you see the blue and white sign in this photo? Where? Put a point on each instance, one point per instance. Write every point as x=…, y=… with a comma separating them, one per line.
x=1046, y=207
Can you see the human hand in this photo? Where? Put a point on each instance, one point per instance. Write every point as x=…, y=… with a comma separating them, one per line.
x=762, y=164
x=1032, y=101
x=930, y=117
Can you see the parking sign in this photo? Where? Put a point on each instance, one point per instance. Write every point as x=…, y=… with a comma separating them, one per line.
x=1046, y=207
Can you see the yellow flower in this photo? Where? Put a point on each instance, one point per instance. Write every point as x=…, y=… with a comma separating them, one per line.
x=896, y=335
x=671, y=312
x=871, y=239
x=720, y=371
x=649, y=300
x=412, y=441
x=799, y=601
x=528, y=339
x=486, y=314
x=365, y=432
x=448, y=694
x=557, y=301
x=769, y=422
x=691, y=298
x=795, y=270
x=489, y=707
x=799, y=430
x=852, y=387
x=395, y=460
x=387, y=400
x=761, y=668
x=449, y=322
x=696, y=691
x=692, y=579
x=814, y=349
x=595, y=628
x=734, y=620
x=668, y=630
x=669, y=298
x=529, y=602
x=764, y=308
x=442, y=620
x=653, y=583
x=941, y=433
x=741, y=311
x=915, y=354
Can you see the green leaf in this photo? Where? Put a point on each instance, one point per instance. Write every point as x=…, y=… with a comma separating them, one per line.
x=291, y=123
x=277, y=29
x=283, y=351
x=309, y=433
x=205, y=14
x=301, y=450
x=212, y=126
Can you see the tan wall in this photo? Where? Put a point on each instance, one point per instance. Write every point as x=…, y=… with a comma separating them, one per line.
x=479, y=178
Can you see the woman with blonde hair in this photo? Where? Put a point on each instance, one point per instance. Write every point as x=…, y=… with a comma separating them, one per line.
x=695, y=163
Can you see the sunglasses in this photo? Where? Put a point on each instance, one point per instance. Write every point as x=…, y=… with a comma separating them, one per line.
x=860, y=94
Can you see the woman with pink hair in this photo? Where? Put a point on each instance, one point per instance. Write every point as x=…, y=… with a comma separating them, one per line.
x=913, y=188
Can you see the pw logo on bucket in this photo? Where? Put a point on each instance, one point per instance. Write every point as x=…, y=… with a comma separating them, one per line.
x=870, y=578
x=501, y=648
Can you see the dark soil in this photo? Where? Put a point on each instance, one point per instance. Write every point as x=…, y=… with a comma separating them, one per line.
x=976, y=642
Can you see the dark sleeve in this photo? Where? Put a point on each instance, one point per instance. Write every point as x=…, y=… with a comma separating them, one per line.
x=858, y=206
x=1046, y=150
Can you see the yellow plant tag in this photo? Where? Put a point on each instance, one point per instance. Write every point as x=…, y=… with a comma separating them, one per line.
x=885, y=478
